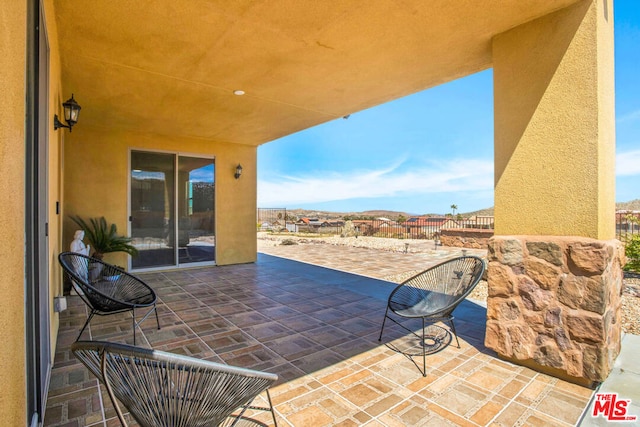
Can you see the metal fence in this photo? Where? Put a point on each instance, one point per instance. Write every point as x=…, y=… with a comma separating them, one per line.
x=277, y=219
x=313, y=229
x=419, y=227
x=627, y=225
x=272, y=219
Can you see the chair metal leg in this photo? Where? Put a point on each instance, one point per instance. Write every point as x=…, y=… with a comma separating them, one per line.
x=383, y=322
x=86, y=323
x=424, y=351
x=453, y=329
x=133, y=315
x=155, y=308
x=137, y=324
x=249, y=405
x=273, y=411
x=239, y=416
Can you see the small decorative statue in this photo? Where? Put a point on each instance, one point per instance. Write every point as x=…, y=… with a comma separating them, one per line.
x=78, y=245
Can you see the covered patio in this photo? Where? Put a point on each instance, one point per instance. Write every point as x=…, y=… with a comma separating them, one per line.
x=207, y=83
x=317, y=328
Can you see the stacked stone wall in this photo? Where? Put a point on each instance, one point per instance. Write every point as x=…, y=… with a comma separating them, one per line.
x=473, y=238
x=554, y=303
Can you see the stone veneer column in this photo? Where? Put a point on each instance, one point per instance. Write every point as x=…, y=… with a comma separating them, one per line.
x=554, y=301
x=554, y=304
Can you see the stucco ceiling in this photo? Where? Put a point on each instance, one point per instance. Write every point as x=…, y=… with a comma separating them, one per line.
x=170, y=67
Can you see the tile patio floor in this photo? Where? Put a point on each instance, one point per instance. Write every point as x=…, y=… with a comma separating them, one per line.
x=317, y=328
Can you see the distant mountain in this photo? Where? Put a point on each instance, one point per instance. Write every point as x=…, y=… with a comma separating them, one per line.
x=307, y=213
x=386, y=214
x=377, y=213
x=481, y=212
x=633, y=205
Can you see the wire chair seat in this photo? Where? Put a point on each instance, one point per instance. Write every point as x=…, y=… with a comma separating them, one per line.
x=107, y=289
x=433, y=294
x=166, y=389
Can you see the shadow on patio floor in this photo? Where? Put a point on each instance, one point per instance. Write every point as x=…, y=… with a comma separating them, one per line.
x=317, y=328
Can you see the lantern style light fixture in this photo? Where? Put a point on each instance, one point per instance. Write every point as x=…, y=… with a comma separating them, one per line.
x=238, y=171
x=71, y=112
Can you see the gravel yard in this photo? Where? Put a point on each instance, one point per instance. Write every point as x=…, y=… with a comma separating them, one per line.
x=269, y=242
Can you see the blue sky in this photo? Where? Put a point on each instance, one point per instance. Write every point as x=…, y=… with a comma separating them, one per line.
x=424, y=152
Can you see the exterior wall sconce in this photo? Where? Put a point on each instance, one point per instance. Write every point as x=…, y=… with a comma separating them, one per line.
x=71, y=112
x=238, y=171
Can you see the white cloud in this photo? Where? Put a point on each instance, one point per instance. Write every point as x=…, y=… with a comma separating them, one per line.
x=628, y=163
x=629, y=117
x=443, y=177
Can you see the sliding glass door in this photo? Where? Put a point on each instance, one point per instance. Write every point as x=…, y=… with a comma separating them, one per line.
x=172, y=209
x=196, y=237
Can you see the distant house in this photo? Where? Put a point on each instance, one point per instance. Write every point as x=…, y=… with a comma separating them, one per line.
x=627, y=221
x=478, y=221
x=386, y=222
x=309, y=222
x=423, y=221
x=272, y=226
x=364, y=227
x=369, y=227
x=332, y=223
x=425, y=226
x=451, y=223
x=316, y=225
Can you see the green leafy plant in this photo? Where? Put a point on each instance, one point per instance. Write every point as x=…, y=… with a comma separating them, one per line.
x=632, y=246
x=632, y=251
x=104, y=238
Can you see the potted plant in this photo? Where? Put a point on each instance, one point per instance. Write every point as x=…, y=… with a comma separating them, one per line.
x=104, y=238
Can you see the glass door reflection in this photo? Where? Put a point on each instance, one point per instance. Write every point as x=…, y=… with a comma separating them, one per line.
x=196, y=228
x=152, y=208
x=172, y=209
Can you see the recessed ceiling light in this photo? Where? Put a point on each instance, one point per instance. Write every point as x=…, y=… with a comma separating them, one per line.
x=238, y=92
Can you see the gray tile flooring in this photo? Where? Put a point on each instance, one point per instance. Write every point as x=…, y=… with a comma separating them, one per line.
x=317, y=328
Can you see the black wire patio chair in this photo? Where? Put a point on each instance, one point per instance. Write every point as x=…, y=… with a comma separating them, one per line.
x=433, y=295
x=166, y=389
x=107, y=289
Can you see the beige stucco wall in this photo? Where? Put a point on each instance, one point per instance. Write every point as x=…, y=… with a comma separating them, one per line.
x=12, y=110
x=96, y=171
x=554, y=124
x=55, y=141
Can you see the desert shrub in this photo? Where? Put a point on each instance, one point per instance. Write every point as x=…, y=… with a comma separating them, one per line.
x=348, y=229
x=288, y=242
x=368, y=231
x=632, y=251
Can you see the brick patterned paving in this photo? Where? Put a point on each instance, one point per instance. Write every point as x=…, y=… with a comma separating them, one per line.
x=318, y=330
